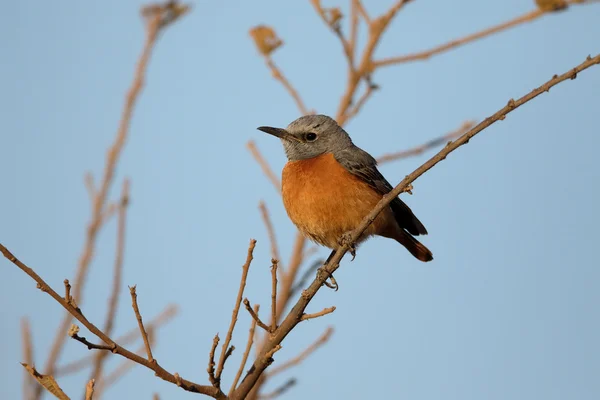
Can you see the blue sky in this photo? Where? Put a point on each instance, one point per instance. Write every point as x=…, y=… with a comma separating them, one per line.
x=508, y=308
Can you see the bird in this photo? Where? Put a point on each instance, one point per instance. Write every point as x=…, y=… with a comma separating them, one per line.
x=329, y=185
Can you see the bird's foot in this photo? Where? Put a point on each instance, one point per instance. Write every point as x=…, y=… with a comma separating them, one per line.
x=333, y=285
x=346, y=239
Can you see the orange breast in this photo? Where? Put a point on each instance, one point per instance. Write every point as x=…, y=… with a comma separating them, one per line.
x=324, y=200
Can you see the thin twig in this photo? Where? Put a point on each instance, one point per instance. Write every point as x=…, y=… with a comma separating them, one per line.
x=117, y=349
x=264, y=165
x=236, y=310
x=270, y=230
x=439, y=141
x=425, y=54
x=27, y=356
x=279, y=391
x=293, y=317
x=321, y=340
x=138, y=316
x=255, y=316
x=309, y=271
x=90, y=345
x=361, y=101
x=246, y=352
x=153, y=25
x=211, y=362
x=324, y=311
x=89, y=389
x=363, y=13
x=273, y=294
x=116, y=284
x=278, y=75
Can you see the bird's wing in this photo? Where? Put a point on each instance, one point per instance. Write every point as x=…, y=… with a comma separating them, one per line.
x=360, y=164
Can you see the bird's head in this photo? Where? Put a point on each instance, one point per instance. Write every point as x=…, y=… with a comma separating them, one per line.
x=310, y=136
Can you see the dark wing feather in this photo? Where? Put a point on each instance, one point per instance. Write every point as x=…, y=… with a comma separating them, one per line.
x=360, y=164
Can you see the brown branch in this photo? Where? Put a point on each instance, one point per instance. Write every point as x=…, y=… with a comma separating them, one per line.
x=293, y=317
x=154, y=366
x=116, y=284
x=361, y=101
x=153, y=25
x=376, y=28
x=249, y=343
x=89, y=389
x=302, y=356
x=255, y=317
x=138, y=316
x=27, y=356
x=425, y=54
x=270, y=230
x=211, y=362
x=280, y=390
x=278, y=75
x=363, y=13
x=236, y=310
x=264, y=165
x=90, y=345
x=324, y=311
x=439, y=141
x=165, y=316
x=273, y=294
x=334, y=24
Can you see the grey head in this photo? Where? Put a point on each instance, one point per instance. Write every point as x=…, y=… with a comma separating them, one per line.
x=310, y=136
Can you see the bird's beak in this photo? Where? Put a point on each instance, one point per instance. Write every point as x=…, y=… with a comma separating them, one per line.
x=277, y=132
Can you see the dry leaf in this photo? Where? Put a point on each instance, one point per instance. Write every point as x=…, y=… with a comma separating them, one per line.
x=265, y=39
x=47, y=381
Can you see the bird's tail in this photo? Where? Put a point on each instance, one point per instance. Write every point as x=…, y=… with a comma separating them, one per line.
x=415, y=247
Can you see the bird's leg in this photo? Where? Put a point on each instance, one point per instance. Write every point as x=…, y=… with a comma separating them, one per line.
x=333, y=285
x=346, y=239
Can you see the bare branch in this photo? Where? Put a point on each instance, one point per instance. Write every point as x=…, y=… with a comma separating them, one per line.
x=324, y=311
x=278, y=75
x=280, y=390
x=255, y=316
x=439, y=141
x=236, y=310
x=117, y=277
x=89, y=389
x=270, y=230
x=211, y=362
x=273, y=294
x=246, y=352
x=27, y=356
x=138, y=316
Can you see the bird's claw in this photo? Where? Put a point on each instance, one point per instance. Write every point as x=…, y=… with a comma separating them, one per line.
x=333, y=285
x=346, y=239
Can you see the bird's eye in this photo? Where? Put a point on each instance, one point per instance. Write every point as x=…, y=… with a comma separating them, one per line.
x=310, y=137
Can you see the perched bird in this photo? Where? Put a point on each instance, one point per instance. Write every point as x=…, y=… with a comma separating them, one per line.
x=329, y=185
